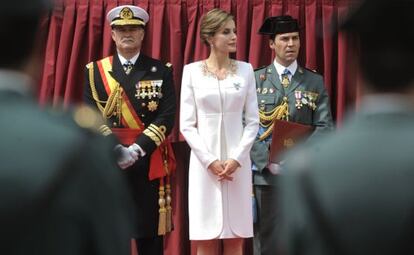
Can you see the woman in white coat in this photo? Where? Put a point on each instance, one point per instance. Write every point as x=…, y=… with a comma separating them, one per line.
x=219, y=120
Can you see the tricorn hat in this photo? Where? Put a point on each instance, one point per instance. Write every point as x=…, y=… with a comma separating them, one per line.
x=127, y=15
x=279, y=25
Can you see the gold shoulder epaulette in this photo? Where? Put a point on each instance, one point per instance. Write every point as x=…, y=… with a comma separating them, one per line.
x=89, y=65
x=169, y=66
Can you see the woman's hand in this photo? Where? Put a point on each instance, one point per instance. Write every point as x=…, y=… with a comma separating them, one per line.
x=230, y=166
x=216, y=167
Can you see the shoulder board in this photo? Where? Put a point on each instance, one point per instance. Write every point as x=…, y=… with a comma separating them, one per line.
x=311, y=70
x=169, y=66
x=259, y=68
x=89, y=65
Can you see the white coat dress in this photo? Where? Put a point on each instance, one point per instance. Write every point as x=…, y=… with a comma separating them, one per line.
x=219, y=120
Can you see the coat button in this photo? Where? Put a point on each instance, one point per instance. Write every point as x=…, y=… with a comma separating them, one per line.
x=143, y=104
x=143, y=115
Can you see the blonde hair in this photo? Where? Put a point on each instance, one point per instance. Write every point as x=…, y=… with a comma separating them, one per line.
x=211, y=22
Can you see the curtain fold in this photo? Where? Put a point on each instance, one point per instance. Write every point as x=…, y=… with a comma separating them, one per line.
x=77, y=33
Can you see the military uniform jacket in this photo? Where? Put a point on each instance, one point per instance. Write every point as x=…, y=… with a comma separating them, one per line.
x=150, y=92
x=353, y=193
x=308, y=104
x=50, y=189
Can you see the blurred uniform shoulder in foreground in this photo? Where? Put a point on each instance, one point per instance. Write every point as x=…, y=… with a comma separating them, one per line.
x=60, y=189
x=353, y=192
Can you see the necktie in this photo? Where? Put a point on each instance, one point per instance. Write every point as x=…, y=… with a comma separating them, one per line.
x=285, y=78
x=128, y=67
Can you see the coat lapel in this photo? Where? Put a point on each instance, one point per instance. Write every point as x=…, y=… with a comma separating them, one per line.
x=139, y=70
x=128, y=82
x=117, y=71
x=296, y=80
x=274, y=77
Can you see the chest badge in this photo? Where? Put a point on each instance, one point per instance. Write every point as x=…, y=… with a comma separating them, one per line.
x=152, y=106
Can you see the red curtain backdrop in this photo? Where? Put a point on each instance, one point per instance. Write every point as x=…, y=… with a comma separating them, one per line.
x=77, y=33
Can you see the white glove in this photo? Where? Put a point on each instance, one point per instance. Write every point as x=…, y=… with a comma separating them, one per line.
x=274, y=168
x=135, y=147
x=125, y=158
x=134, y=154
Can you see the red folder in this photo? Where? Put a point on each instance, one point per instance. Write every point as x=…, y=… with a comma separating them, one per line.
x=285, y=135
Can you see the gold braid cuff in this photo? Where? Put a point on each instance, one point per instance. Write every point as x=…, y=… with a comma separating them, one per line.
x=157, y=134
x=105, y=130
x=159, y=131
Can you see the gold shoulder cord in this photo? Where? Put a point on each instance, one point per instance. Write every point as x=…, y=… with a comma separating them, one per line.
x=267, y=119
x=113, y=99
x=93, y=88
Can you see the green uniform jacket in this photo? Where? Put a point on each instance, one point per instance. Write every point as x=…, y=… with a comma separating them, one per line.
x=270, y=93
x=353, y=193
x=60, y=189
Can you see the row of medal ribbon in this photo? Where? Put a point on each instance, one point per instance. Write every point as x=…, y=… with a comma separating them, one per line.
x=150, y=89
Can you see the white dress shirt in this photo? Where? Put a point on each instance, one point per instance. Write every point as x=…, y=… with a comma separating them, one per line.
x=280, y=69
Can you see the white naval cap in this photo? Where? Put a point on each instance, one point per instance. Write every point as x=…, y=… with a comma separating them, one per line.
x=127, y=15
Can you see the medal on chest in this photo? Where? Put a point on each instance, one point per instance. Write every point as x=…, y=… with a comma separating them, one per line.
x=149, y=90
x=298, y=97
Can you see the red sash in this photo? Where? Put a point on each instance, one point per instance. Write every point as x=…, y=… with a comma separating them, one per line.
x=162, y=161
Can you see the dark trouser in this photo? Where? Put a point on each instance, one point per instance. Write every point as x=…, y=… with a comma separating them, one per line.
x=265, y=229
x=150, y=245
